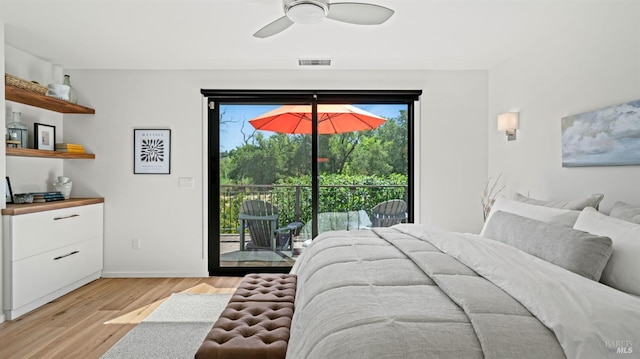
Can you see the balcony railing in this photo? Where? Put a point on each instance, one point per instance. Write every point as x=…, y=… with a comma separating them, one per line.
x=294, y=201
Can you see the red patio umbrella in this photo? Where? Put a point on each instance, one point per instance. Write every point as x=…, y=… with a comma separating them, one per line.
x=332, y=119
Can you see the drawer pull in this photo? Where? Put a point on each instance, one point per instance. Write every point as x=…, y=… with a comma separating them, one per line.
x=66, y=217
x=66, y=255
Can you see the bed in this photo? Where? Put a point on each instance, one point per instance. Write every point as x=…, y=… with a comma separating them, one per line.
x=527, y=288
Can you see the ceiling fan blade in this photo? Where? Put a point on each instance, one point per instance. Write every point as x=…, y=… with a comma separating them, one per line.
x=359, y=13
x=273, y=28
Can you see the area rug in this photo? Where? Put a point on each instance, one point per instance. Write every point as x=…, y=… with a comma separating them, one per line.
x=175, y=329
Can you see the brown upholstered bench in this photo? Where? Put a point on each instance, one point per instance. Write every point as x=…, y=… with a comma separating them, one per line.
x=256, y=321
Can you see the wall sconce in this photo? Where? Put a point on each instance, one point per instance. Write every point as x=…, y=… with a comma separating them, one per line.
x=508, y=122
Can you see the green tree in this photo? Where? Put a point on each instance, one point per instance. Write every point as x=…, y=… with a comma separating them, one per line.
x=341, y=146
x=370, y=158
x=253, y=162
x=394, y=138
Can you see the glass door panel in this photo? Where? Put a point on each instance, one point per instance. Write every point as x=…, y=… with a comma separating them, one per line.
x=265, y=185
x=363, y=166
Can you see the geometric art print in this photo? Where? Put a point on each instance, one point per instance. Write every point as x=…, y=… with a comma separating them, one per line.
x=152, y=151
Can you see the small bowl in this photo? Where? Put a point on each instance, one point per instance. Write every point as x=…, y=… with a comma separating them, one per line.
x=58, y=91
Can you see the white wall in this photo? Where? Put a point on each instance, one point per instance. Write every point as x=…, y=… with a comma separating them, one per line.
x=169, y=220
x=2, y=167
x=453, y=149
x=590, y=66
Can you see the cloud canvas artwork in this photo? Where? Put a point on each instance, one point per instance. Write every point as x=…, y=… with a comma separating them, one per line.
x=606, y=137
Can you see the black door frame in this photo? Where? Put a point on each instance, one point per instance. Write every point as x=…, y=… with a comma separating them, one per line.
x=313, y=97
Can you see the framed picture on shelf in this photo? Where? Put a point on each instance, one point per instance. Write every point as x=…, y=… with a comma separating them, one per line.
x=151, y=151
x=45, y=137
x=8, y=193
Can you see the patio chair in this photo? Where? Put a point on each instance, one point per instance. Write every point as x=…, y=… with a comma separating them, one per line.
x=388, y=213
x=261, y=219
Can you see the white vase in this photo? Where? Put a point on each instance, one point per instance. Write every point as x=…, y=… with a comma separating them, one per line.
x=73, y=94
x=64, y=188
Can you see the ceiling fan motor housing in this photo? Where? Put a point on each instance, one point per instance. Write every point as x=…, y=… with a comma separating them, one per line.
x=306, y=11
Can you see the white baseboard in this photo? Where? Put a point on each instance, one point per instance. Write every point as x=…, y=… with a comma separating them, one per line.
x=154, y=274
x=2, y=318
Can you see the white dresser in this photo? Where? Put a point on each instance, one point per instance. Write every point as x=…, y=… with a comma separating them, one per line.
x=50, y=249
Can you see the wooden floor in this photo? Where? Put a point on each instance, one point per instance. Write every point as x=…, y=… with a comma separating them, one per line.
x=88, y=321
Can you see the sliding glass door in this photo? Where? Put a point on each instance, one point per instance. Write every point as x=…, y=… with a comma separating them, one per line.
x=286, y=166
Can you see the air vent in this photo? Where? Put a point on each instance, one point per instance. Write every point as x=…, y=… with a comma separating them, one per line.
x=314, y=62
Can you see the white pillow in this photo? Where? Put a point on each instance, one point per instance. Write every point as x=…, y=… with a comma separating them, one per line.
x=559, y=216
x=623, y=269
x=625, y=212
x=576, y=204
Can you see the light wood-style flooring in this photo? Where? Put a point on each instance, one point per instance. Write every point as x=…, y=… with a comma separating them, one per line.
x=88, y=321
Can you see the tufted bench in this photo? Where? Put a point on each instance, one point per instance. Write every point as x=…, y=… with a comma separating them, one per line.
x=256, y=321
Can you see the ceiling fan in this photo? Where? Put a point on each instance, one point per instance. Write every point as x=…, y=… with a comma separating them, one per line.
x=312, y=11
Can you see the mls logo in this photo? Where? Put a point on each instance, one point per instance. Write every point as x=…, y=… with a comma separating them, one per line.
x=624, y=350
x=620, y=346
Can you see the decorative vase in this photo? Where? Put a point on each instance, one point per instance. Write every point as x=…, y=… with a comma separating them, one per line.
x=17, y=131
x=63, y=185
x=58, y=91
x=73, y=94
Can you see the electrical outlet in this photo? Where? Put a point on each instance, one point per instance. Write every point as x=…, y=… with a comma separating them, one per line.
x=135, y=243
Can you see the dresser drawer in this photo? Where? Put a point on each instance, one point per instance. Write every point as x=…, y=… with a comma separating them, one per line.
x=41, y=232
x=39, y=275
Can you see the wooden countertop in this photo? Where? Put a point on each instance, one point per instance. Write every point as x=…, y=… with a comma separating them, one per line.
x=17, y=209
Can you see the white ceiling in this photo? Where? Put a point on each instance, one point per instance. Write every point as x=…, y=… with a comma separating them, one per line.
x=217, y=34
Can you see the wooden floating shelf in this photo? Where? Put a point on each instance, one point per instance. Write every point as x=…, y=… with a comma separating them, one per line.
x=17, y=94
x=29, y=152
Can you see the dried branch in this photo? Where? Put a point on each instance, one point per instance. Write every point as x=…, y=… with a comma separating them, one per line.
x=489, y=194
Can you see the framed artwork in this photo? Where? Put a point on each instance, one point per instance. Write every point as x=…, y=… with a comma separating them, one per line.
x=151, y=151
x=8, y=193
x=45, y=137
x=605, y=137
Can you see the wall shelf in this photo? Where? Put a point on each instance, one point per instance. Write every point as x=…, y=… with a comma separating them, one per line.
x=17, y=94
x=35, y=99
x=29, y=152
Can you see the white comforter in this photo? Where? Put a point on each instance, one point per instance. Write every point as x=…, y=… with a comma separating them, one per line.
x=589, y=319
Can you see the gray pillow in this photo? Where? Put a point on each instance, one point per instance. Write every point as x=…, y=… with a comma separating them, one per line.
x=580, y=252
x=576, y=204
x=625, y=212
